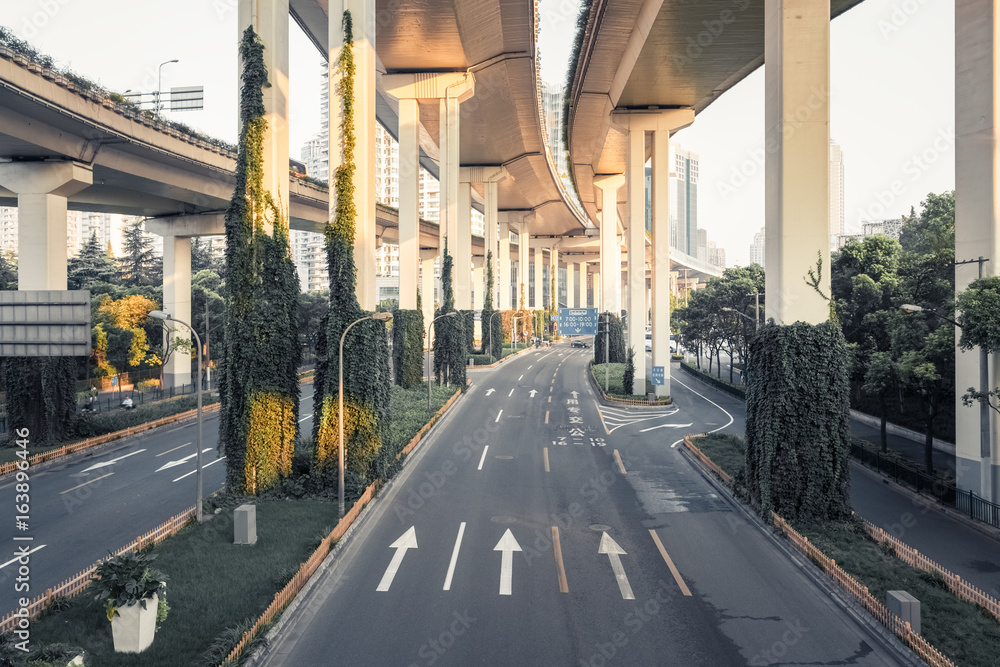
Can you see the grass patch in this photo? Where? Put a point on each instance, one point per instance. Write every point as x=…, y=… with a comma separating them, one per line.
x=214, y=585
x=408, y=408
x=957, y=628
x=90, y=425
x=616, y=373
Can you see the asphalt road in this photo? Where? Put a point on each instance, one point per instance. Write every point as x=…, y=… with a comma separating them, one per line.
x=86, y=505
x=533, y=528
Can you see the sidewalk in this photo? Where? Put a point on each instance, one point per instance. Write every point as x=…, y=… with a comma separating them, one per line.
x=916, y=520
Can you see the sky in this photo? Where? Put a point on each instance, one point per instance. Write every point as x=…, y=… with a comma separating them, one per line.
x=892, y=93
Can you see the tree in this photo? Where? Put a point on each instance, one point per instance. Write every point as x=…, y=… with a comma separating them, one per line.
x=8, y=270
x=880, y=378
x=121, y=339
x=449, y=332
x=91, y=265
x=204, y=259
x=206, y=291
x=138, y=264
x=979, y=306
x=259, y=387
x=609, y=330
x=628, y=379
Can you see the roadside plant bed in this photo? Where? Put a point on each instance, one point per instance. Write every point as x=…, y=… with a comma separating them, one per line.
x=485, y=360
x=962, y=631
x=214, y=585
x=90, y=425
x=721, y=383
x=616, y=373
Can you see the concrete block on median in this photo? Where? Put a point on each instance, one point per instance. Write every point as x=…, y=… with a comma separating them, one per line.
x=245, y=524
x=906, y=607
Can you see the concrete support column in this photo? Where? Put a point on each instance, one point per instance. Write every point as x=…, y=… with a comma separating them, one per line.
x=490, y=177
x=977, y=223
x=177, y=302
x=269, y=19
x=363, y=19
x=461, y=248
x=596, y=295
x=427, y=284
x=554, y=273
x=797, y=180
x=409, y=201
x=635, y=235
x=610, y=252
x=478, y=282
x=42, y=189
x=539, y=279
x=523, y=242
x=571, y=284
x=503, y=289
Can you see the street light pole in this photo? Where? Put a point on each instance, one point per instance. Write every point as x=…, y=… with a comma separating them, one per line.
x=160, y=315
x=429, y=372
x=159, y=83
x=381, y=317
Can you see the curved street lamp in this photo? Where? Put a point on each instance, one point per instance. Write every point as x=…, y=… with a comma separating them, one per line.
x=159, y=83
x=381, y=317
x=161, y=315
x=429, y=373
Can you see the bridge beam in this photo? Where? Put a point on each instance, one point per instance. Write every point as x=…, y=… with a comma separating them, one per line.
x=42, y=189
x=977, y=223
x=797, y=179
x=610, y=252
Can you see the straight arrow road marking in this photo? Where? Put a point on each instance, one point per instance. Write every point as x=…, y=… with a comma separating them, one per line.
x=104, y=464
x=454, y=557
x=14, y=560
x=172, y=450
x=532, y=393
x=610, y=547
x=188, y=474
x=670, y=564
x=407, y=540
x=180, y=462
x=507, y=546
x=490, y=391
x=653, y=428
x=483, y=458
x=574, y=394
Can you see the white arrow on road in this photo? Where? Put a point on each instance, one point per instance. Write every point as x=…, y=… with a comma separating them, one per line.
x=611, y=548
x=407, y=540
x=490, y=391
x=180, y=462
x=653, y=428
x=507, y=545
x=104, y=464
x=532, y=393
x=573, y=394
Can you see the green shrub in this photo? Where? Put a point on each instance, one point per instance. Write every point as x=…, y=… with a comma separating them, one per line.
x=408, y=347
x=616, y=338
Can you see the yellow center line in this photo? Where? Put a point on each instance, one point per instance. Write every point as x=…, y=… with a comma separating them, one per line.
x=606, y=431
x=618, y=460
x=173, y=450
x=96, y=479
x=550, y=399
x=563, y=584
x=545, y=455
x=546, y=416
x=673, y=568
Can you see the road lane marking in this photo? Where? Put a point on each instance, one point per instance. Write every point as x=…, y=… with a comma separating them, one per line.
x=178, y=462
x=546, y=416
x=710, y=401
x=507, y=546
x=305, y=418
x=545, y=455
x=14, y=560
x=188, y=474
x=104, y=464
x=606, y=431
x=563, y=584
x=550, y=399
x=653, y=428
x=407, y=540
x=610, y=547
x=454, y=557
x=511, y=393
x=618, y=460
x=483, y=459
x=96, y=479
x=498, y=416
x=529, y=368
x=670, y=563
x=520, y=378
x=173, y=450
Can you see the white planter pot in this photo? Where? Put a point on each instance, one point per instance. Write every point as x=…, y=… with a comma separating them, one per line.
x=133, y=628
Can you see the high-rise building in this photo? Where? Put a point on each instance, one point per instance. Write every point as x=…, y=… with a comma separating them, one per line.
x=757, y=248
x=684, y=199
x=836, y=191
x=552, y=106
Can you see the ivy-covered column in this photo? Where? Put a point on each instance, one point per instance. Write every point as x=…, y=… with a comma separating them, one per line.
x=259, y=385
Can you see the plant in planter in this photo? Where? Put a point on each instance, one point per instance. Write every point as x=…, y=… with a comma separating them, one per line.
x=132, y=593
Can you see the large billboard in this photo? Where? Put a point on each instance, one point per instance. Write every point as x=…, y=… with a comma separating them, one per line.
x=45, y=323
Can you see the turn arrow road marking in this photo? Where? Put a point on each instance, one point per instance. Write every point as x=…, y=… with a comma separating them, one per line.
x=611, y=548
x=507, y=546
x=490, y=391
x=180, y=462
x=407, y=540
x=104, y=464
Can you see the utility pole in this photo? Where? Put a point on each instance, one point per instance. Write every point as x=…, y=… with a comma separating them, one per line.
x=208, y=367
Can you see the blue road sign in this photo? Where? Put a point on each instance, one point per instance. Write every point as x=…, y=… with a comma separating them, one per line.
x=578, y=321
x=658, y=376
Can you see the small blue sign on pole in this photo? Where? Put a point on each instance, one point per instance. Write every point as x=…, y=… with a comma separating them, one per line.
x=658, y=376
x=578, y=321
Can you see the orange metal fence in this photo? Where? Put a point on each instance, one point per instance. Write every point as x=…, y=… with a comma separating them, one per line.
x=78, y=583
